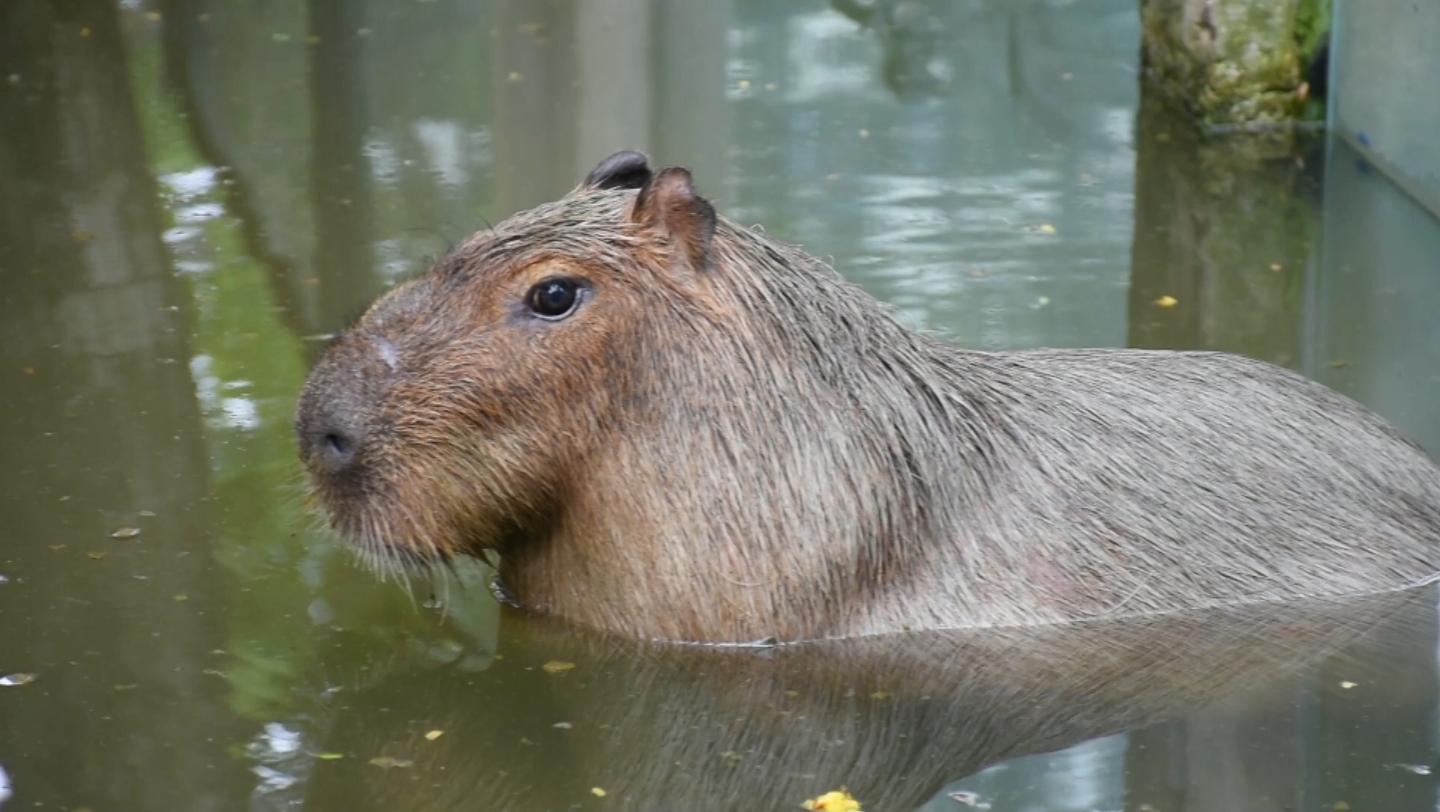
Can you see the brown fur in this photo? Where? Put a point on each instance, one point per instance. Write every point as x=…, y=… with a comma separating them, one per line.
x=728, y=442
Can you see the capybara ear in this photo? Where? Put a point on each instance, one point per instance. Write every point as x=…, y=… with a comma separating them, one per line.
x=669, y=205
x=623, y=170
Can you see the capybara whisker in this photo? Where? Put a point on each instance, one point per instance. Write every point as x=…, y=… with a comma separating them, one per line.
x=669, y=426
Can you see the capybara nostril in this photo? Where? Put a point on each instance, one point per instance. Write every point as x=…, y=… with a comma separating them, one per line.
x=330, y=437
x=337, y=451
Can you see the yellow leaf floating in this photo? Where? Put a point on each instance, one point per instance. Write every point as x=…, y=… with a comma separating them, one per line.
x=434, y=734
x=1167, y=301
x=557, y=667
x=597, y=792
x=839, y=800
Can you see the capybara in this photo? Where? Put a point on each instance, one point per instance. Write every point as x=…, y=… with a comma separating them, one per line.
x=672, y=427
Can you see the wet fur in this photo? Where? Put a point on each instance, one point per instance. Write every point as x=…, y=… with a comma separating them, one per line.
x=742, y=445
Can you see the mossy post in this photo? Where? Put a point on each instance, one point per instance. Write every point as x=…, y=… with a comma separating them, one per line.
x=1234, y=64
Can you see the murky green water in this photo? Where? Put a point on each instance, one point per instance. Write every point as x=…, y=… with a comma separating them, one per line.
x=193, y=193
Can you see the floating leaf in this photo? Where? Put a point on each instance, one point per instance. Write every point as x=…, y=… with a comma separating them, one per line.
x=880, y=695
x=330, y=756
x=970, y=799
x=13, y=680
x=557, y=667
x=1346, y=684
x=597, y=792
x=434, y=734
x=839, y=800
x=1046, y=228
x=125, y=533
x=97, y=556
x=1167, y=301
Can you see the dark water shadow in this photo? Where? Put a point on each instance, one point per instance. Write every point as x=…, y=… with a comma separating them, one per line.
x=891, y=718
x=99, y=430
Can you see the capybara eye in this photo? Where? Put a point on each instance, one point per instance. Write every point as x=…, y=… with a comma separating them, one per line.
x=554, y=298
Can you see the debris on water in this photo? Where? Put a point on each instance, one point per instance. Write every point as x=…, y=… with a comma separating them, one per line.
x=1275, y=266
x=1340, y=806
x=562, y=725
x=125, y=533
x=969, y=799
x=1167, y=301
x=597, y=792
x=839, y=800
x=557, y=667
x=387, y=763
x=57, y=547
x=330, y=756
x=149, y=514
x=1346, y=684
x=1046, y=228
x=182, y=597
x=14, y=680
x=433, y=735
x=1339, y=362
x=880, y=695
x=96, y=556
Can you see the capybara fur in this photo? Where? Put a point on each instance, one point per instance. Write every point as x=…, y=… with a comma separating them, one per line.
x=673, y=427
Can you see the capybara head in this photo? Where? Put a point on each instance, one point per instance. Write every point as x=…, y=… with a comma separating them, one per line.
x=620, y=389
x=453, y=415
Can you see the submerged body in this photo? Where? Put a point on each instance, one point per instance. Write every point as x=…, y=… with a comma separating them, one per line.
x=675, y=428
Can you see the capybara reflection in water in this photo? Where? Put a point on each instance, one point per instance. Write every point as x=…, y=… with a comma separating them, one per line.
x=672, y=427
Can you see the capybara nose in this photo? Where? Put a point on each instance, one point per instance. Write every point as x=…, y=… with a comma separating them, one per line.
x=336, y=451
x=332, y=445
